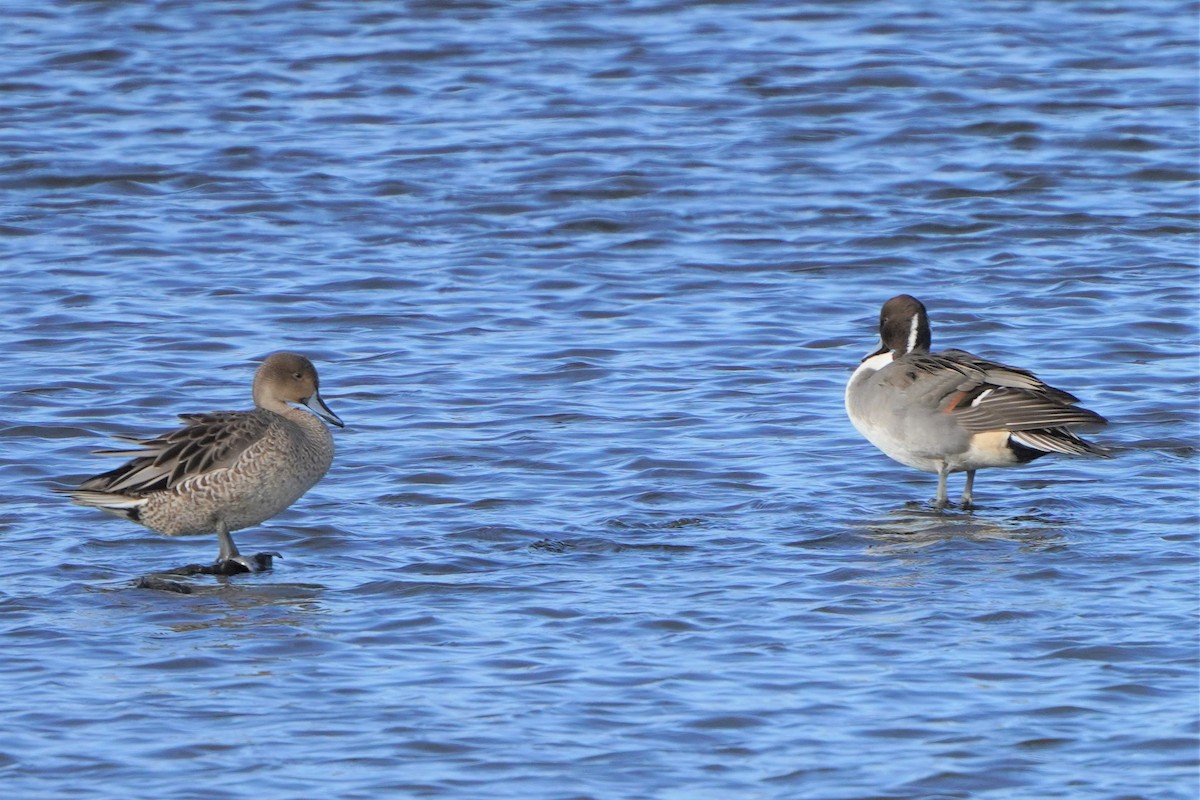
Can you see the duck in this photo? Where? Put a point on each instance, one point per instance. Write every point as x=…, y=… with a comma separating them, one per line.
x=951, y=411
x=225, y=470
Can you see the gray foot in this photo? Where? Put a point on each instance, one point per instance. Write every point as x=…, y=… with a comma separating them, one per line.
x=947, y=505
x=259, y=562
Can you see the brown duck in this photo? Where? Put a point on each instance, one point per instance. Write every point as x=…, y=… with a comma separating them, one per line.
x=225, y=470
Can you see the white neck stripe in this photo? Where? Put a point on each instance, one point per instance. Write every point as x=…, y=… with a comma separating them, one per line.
x=912, y=334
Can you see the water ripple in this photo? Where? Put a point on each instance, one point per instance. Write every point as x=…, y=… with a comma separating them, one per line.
x=586, y=283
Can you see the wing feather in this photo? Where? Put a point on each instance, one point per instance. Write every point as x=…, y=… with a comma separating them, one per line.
x=988, y=396
x=1058, y=440
x=1006, y=408
x=205, y=443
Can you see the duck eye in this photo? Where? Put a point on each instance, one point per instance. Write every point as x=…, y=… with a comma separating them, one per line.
x=296, y=375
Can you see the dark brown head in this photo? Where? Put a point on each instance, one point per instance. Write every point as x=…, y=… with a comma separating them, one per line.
x=904, y=326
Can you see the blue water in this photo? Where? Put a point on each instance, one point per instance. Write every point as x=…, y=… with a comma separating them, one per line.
x=586, y=281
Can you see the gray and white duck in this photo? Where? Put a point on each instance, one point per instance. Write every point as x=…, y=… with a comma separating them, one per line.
x=952, y=411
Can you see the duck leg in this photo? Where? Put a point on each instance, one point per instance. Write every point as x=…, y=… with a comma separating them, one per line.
x=229, y=550
x=231, y=562
x=943, y=472
x=967, y=497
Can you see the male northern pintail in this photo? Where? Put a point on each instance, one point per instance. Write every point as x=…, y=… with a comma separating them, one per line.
x=953, y=412
x=225, y=470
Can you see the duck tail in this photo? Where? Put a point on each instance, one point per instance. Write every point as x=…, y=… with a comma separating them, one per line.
x=1058, y=440
x=119, y=504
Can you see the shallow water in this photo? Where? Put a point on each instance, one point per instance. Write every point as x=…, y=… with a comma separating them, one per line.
x=586, y=284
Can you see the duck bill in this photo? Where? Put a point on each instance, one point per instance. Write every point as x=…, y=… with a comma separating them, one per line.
x=318, y=407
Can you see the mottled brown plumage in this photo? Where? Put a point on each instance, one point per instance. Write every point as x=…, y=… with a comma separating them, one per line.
x=226, y=470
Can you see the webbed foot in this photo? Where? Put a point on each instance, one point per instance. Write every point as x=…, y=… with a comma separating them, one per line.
x=235, y=565
x=259, y=562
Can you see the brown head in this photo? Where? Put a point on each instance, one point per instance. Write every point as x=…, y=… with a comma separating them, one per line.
x=290, y=378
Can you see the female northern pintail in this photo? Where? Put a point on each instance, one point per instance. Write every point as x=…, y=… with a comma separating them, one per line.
x=225, y=470
x=953, y=412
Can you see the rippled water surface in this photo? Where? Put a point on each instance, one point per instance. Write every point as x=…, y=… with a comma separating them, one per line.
x=585, y=282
